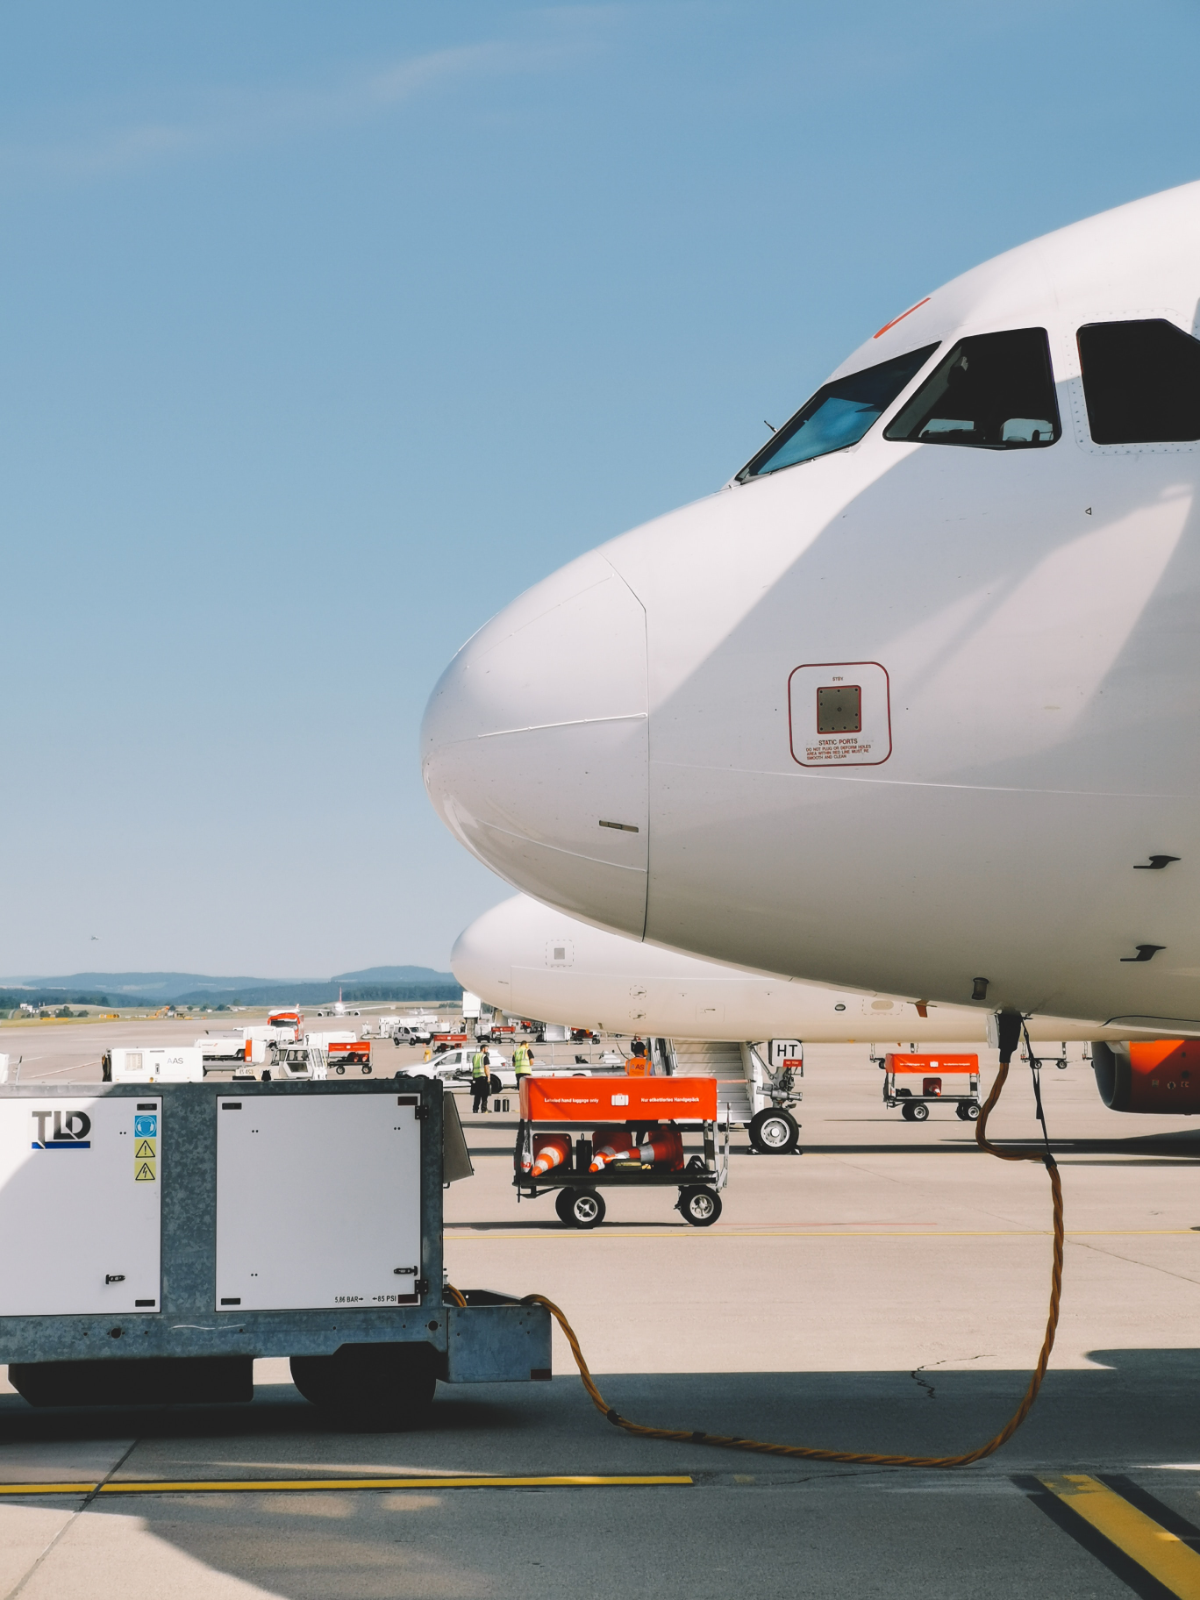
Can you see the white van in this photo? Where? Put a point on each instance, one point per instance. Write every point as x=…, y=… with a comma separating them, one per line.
x=168, y=1064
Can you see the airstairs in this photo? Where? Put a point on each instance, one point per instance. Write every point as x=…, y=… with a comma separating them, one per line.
x=727, y=1060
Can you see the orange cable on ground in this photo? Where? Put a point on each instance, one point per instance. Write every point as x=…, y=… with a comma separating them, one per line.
x=858, y=1457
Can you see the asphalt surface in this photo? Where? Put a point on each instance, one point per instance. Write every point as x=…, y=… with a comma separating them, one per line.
x=884, y=1291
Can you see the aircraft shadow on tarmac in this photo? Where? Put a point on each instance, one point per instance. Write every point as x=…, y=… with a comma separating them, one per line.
x=1131, y=1402
x=1133, y=1407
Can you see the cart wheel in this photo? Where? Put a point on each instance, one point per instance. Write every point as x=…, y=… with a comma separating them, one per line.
x=562, y=1204
x=774, y=1132
x=586, y=1209
x=969, y=1111
x=700, y=1207
x=920, y=1111
x=340, y=1069
x=366, y=1069
x=906, y=1111
x=373, y=1385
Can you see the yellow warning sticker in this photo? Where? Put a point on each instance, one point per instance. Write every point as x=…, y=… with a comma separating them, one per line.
x=144, y=1171
x=145, y=1149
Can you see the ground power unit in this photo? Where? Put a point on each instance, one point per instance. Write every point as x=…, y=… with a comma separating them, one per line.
x=157, y=1238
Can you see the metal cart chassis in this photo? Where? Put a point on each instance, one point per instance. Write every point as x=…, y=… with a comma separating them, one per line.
x=966, y=1105
x=580, y=1206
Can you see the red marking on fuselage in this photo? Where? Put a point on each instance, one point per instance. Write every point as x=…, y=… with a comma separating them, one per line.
x=901, y=317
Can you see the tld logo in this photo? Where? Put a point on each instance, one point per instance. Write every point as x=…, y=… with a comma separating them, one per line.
x=71, y=1129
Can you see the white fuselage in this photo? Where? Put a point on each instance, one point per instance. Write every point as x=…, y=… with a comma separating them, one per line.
x=531, y=960
x=640, y=738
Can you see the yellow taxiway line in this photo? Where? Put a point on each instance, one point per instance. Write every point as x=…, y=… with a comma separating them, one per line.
x=1163, y=1555
x=553, y=1232
x=279, y=1485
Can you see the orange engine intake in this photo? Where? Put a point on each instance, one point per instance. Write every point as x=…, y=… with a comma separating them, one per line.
x=1151, y=1075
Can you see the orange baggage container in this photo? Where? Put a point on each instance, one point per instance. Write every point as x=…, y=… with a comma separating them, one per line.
x=930, y=1064
x=618, y=1099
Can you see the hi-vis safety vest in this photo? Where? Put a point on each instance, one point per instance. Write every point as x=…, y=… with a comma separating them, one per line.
x=521, y=1061
x=478, y=1070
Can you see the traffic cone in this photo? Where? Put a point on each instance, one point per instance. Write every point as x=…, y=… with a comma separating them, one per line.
x=664, y=1148
x=549, y=1151
x=619, y=1147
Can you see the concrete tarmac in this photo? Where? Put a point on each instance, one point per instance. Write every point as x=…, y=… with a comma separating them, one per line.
x=884, y=1291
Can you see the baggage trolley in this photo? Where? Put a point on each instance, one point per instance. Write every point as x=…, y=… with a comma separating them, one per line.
x=630, y=1115
x=915, y=1082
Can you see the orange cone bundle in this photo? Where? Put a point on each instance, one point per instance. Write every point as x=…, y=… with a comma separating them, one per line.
x=549, y=1150
x=618, y=1145
x=664, y=1147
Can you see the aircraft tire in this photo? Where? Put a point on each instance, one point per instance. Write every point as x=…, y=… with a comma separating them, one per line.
x=773, y=1131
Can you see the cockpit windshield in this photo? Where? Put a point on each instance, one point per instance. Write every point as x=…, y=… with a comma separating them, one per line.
x=838, y=415
x=994, y=391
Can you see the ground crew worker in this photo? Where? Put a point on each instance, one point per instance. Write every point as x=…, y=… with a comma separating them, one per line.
x=481, y=1080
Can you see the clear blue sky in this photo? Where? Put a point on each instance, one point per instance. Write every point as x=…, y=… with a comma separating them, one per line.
x=326, y=329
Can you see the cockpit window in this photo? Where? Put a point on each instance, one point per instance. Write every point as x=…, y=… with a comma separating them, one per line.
x=838, y=415
x=1141, y=381
x=994, y=391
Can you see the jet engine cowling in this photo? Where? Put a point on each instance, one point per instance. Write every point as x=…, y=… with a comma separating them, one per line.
x=1154, y=1075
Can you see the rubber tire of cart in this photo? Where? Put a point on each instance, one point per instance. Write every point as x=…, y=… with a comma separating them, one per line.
x=774, y=1131
x=700, y=1207
x=386, y=1386
x=340, y=1069
x=366, y=1066
x=587, y=1209
x=906, y=1111
x=968, y=1110
x=495, y=1085
x=920, y=1111
x=562, y=1204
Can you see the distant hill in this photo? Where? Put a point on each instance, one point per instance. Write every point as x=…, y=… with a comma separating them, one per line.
x=393, y=975
x=195, y=988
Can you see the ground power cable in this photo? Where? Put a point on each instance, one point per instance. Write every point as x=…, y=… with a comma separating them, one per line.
x=1011, y=1027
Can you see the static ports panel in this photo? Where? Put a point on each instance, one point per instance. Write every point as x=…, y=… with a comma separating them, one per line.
x=839, y=714
x=79, y=1205
x=318, y=1202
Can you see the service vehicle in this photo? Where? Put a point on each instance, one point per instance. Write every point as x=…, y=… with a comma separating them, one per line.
x=153, y=1064
x=287, y=1021
x=454, y=1066
x=177, y=1245
x=296, y=1062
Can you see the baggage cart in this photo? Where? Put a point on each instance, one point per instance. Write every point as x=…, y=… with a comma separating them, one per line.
x=915, y=1082
x=626, y=1119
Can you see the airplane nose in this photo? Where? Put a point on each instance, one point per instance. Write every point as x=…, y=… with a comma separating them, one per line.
x=534, y=745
